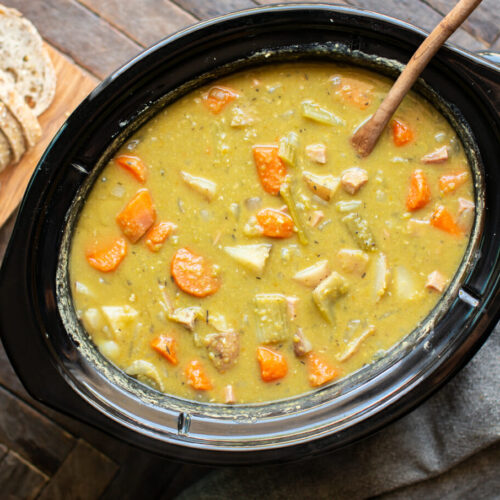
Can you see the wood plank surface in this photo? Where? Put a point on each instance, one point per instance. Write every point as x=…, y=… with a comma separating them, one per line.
x=73, y=85
x=211, y=8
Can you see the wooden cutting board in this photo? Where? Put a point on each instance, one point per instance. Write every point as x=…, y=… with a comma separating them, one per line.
x=73, y=85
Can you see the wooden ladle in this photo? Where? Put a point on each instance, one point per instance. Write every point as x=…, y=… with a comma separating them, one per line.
x=366, y=136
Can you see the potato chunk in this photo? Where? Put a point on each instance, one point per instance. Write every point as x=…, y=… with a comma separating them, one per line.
x=145, y=372
x=201, y=185
x=253, y=257
x=324, y=186
x=353, y=179
x=353, y=261
x=327, y=293
x=119, y=317
x=311, y=276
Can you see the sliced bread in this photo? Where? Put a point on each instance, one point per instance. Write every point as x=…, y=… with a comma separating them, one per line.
x=13, y=132
x=5, y=154
x=24, y=63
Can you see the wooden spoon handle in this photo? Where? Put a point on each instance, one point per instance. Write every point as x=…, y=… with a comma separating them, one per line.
x=366, y=137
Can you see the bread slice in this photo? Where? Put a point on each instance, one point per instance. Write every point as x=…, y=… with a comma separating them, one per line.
x=13, y=132
x=5, y=154
x=24, y=63
x=24, y=115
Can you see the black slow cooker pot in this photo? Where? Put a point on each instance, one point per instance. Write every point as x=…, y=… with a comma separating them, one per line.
x=56, y=360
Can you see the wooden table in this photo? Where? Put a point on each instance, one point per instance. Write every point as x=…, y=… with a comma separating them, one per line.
x=44, y=454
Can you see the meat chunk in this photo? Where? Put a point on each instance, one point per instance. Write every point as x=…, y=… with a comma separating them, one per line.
x=229, y=397
x=464, y=204
x=440, y=155
x=291, y=305
x=436, y=281
x=301, y=345
x=353, y=261
x=223, y=349
x=316, y=152
x=316, y=217
x=201, y=185
x=353, y=179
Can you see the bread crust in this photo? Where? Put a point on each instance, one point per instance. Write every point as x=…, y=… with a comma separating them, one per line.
x=13, y=132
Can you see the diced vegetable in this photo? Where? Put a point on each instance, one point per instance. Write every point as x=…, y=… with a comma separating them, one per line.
x=288, y=198
x=186, y=316
x=275, y=224
x=107, y=257
x=419, y=193
x=272, y=318
x=158, y=234
x=360, y=232
x=271, y=169
x=273, y=365
x=353, y=179
x=253, y=257
x=196, y=376
x=451, y=182
x=348, y=206
x=354, y=91
x=354, y=344
x=436, y=281
x=327, y=293
x=316, y=152
x=407, y=284
x=241, y=118
x=138, y=216
x=318, y=114
x=223, y=349
x=301, y=344
x=109, y=348
x=119, y=317
x=91, y=318
x=288, y=148
x=438, y=156
x=320, y=372
x=218, y=97
x=382, y=277
x=324, y=186
x=353, y=261
x=167, y=347
x=134, y=165
x=311, y=276
x=402, y=134
x=442, y=219
x=193, y=274
x=145, y=372
x=201, y=185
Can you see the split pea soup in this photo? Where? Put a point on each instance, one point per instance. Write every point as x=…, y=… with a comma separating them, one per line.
x=237, y=250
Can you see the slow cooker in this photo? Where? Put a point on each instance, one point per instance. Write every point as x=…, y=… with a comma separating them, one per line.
x=56, y=360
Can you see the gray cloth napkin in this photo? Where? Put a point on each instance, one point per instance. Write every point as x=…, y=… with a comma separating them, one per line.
x=449, y=447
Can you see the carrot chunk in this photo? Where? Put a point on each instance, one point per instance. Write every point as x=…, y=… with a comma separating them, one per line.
x=270, y=168
x=273, y=365
x=107, y=257
x=218, y=97
x=442, y=219
x=134, y=165
x=158, y=234
x=401, y=133
x=196, y=376
x=320, y=372
x=419, y=193
x=167, y=347
x=275, y=224
x=138, y=216
x=194, y=274
x=448, y=183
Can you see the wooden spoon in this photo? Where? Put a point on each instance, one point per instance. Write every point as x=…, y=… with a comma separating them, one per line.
x=366, y=136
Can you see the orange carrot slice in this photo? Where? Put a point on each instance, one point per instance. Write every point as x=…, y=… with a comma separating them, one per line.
x=320, y=372
x=196, y=376
x=167, y=347
x=419, y=193
x=134, y=165
x=270, y=168
x=138, y=216
x=451, y=182
x=401, y=133
x=158, y=234
x=218, y=97
x=442, y=219
x=273, y=365
x=275, y=224
x=107, y=257
x=193, y=273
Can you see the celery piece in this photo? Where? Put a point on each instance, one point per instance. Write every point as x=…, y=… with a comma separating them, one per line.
x=327, y=292
x=286, y=194
x=348, y=206
x=359, y=230
x=288, y=148
x=272, y=318
x=315, y=112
